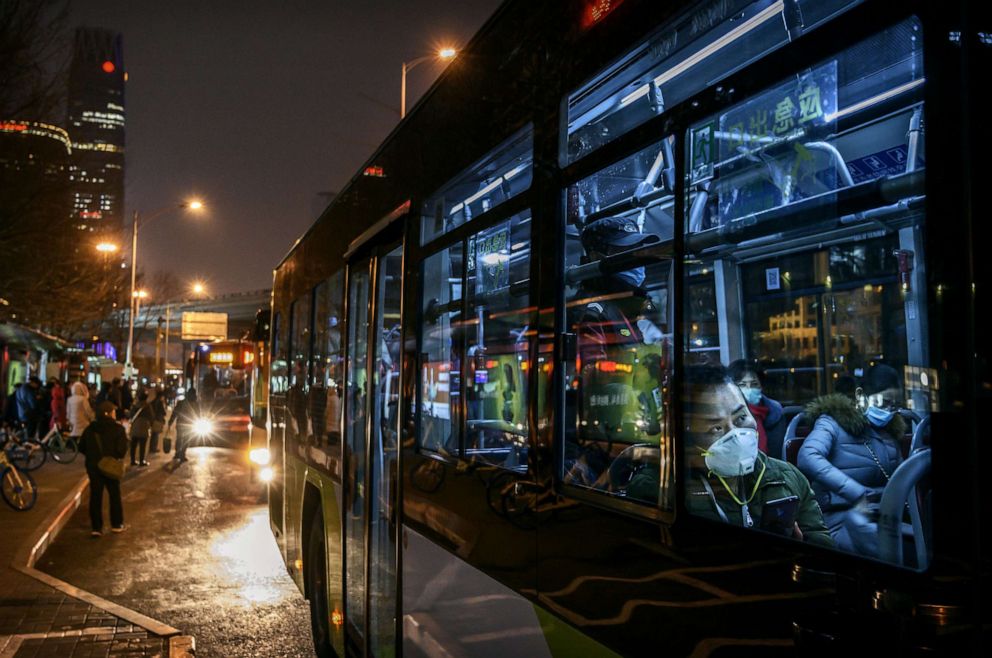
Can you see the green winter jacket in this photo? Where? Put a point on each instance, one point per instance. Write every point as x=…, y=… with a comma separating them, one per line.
x=779, y=480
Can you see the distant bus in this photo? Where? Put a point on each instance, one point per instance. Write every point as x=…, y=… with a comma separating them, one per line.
x=493, y=410
x=224, y=377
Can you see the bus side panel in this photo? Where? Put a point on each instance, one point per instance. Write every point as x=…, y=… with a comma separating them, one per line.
x=452, y=608
x=296, y=472
x=330, y=498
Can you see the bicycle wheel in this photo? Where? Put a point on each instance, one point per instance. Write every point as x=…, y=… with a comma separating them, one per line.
x=18, y=489
x=27, y=455
x=64, y=450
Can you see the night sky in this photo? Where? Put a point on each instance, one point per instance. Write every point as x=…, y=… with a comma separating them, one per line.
x=257, y=107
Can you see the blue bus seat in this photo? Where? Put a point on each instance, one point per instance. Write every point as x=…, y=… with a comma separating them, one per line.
x=902, y=490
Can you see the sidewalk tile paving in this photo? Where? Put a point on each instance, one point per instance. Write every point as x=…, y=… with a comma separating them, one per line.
x=47, y=622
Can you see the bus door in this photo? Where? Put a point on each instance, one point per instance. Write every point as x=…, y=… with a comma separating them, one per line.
x=371, y=442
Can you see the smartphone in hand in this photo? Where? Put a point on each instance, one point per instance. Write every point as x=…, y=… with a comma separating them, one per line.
x=779, y=516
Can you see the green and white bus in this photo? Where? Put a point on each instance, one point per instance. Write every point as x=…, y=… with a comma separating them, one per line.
x=499, y=420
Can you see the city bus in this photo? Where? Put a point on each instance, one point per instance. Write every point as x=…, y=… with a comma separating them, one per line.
x=223, y=374
x=499, y=419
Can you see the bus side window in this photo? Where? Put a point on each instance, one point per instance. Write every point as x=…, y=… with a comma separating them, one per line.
x=441, y=350
x=326, y=383
x=499, y=344
x=617, y=436
x=819, y=311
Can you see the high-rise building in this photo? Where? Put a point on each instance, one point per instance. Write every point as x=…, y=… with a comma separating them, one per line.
x=96, y=126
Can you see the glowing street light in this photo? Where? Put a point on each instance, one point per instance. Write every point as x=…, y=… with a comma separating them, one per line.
x=198, y=288
x=107, y=247
x=194, y=204
x=444, y=54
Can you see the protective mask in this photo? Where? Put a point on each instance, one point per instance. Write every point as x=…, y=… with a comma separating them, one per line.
x=752, y=395
x=734, y=453
x=879, y=417
x=634, y=277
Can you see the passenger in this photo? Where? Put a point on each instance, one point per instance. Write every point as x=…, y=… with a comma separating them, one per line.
x=616, y=313
x=730, y=479
x=850, y=455
x=29, y=406
x=104, y=437
x=156, y=398
x=58, y=405
x=141, y=416
x=187, y=412
x=766, y=411
x=78, y=410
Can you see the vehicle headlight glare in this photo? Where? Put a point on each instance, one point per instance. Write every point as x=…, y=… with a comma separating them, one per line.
x=266, y=474
x=202, y=427
x=260, y=456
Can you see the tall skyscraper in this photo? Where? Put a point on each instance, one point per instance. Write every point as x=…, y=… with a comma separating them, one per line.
x=96, y=127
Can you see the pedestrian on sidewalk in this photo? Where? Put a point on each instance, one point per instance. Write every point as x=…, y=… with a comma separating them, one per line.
x=156, y=400
x=141, y=427
x=79, y=411
x=104, y=437
x=29, y=406
x=186, y=412
x=58, y=405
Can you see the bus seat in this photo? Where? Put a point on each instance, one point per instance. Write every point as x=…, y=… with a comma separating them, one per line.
x=921, y=435
x=900, y=491
x=776, y=434
x=793, y=438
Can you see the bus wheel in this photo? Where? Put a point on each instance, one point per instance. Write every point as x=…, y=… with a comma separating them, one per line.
x=316, y=586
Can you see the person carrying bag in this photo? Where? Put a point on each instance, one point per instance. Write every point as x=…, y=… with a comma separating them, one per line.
x=105, y=444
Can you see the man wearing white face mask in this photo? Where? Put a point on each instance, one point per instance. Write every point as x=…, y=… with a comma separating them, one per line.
x=729, y=478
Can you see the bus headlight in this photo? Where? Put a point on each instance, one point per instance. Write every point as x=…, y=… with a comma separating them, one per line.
x=202, y=427
x=260, y=456
x=266, y=474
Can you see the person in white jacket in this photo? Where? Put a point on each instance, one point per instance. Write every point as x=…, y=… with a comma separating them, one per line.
x=78, y=410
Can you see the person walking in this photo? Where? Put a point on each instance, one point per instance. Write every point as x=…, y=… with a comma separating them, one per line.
x=141, y=426
x=104, y=437
x=156, y=400
x=186, y=412
x=29, y=407
x=78, y=410
x=58, y=405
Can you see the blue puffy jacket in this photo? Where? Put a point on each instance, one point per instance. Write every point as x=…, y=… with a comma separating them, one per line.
x=840, y=465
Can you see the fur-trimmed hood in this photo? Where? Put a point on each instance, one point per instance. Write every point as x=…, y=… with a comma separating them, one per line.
x=846, y=414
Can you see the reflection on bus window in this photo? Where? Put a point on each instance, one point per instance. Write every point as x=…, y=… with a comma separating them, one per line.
x=500, y=175
x=299, y=346
x=805, y=205
x=278, y=373
x=618, y=238
x=327, y=379
x=499, y=328
x=678, y=61
x=441, y=350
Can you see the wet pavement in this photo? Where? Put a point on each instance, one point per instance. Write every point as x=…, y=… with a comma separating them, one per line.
x=198, y=555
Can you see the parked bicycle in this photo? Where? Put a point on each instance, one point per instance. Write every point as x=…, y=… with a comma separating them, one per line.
x=61, y=447
x=27, y=454
x=17, y=487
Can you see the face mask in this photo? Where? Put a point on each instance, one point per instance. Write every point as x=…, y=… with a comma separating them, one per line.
x=634, y=277
x=879, y=417
x=734, y=453
x=752, y=395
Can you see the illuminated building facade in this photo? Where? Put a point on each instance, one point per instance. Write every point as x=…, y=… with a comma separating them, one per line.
x=34, y=165
x=96, y=124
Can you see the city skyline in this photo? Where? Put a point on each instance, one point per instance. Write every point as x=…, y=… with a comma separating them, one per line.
x=309, y=90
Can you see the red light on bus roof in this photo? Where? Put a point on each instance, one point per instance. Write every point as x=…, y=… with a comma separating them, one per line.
x=108, y=67
x=596, y=10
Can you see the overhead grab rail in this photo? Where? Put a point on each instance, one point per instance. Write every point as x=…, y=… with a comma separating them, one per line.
x=844, y=205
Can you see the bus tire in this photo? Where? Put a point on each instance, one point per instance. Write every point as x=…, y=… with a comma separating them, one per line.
x=316, y=587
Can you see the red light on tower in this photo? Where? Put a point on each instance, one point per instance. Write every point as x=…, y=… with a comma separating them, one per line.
x=108, y=67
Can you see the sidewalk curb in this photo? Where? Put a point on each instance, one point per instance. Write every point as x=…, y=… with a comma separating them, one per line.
x=25, y=559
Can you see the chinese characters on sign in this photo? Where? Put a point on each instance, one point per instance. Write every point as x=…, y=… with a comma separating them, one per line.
x=492, y=256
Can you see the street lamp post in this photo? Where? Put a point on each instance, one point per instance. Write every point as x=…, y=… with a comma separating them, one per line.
x=192, y=205
x=442, y=54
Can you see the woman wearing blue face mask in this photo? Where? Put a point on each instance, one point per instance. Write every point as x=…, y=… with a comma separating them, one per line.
x=766, y=411
x=850, y=455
